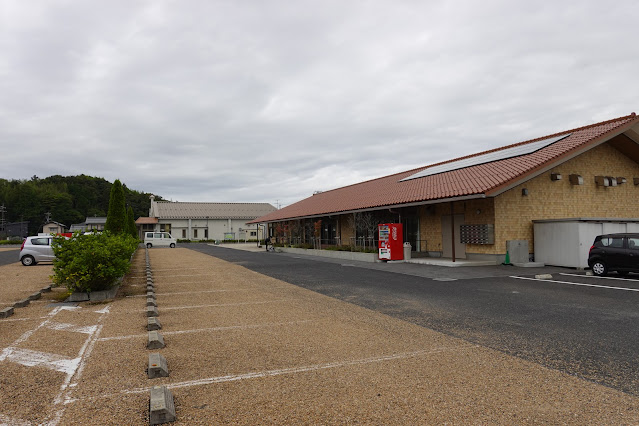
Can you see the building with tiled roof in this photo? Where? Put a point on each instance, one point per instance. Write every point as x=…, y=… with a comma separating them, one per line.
x=588, y=172
x=205, y=221
x=91, y=223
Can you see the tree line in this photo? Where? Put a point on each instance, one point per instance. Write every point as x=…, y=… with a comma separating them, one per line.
x=68, y=199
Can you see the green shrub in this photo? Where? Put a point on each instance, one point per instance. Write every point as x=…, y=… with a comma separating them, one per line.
x=93, y=262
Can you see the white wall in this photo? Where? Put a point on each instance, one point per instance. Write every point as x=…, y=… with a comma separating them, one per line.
x=217, y=228
x=567, y=243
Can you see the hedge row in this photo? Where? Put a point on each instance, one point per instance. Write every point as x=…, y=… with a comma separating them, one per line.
x=92, y=262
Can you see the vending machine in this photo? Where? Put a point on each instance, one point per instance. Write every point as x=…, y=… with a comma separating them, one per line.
x=391, y=246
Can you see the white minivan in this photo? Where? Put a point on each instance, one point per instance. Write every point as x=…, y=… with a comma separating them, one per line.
x=159, y=239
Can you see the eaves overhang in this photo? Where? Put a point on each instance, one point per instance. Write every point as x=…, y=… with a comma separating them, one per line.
x=377, y=208
x=629, y=127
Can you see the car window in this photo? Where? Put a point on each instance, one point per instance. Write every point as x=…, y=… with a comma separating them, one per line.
x=157, y=235
x=40, y=241
x=633, y=243
x=149, y=234
x=165, y=235
x=616, y=242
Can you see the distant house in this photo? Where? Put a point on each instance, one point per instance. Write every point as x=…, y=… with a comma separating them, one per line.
x=53, y=228
x=204, y=221
x=90, y=224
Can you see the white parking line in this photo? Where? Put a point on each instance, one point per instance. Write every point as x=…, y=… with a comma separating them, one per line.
x=596, y=276
x=203, y=330
x=87, y=329
x=6, y=420
x=173, y=276
x=168, y=293
x=304, y=369
x=73, y=376
x=173, y=293
x=577, y=284
x=52, y=361
x=5, y=353
x=170, y=308
x=279, y=372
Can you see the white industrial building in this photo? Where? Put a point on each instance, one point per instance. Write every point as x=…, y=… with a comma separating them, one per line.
x=205, y=221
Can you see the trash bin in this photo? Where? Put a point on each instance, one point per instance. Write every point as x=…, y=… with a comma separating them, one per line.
x=407, y=249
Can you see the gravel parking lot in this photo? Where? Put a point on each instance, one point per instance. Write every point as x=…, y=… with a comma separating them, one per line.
x=244, y=348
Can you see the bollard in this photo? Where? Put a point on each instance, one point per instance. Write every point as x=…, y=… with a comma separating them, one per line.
x=153, y=324
x=156, y=341
x=161, y=406
x=158, y=366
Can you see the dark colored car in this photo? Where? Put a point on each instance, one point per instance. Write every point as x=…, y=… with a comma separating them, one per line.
x=614, y=252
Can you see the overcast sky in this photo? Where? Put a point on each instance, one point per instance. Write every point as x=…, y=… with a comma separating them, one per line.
x=268, y=101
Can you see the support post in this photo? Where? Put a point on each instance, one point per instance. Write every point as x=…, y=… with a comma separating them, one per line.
x=452, y=226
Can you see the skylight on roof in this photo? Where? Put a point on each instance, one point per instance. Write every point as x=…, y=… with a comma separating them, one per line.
x=503, y=154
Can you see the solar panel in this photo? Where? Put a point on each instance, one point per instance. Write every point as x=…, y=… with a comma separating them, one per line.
x=503, y=154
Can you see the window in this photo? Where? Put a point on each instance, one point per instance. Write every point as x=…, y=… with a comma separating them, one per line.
x=157, y=235
x=633, y=243
x=40, y=241
x=184, y=233
x=253, y=234
x=206, y=234
x=615, y=242
x=195, y=233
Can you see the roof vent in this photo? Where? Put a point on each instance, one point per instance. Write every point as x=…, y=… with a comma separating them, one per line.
x=576, y=179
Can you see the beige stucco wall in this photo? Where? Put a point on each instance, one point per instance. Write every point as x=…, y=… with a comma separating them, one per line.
x=476, y=212
x=559, y=199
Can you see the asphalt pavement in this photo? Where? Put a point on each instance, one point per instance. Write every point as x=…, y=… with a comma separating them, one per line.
x=584, y=326
x=8, y=255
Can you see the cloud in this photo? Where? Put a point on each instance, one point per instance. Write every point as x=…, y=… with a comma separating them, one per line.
x=267, y=101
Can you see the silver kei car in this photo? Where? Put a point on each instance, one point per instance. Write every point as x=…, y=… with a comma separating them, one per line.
x=36, y=249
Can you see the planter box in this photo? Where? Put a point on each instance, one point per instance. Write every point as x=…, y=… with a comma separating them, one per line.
x=94, y=295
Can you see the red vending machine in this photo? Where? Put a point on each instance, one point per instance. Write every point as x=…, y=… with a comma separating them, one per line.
x=391, y=246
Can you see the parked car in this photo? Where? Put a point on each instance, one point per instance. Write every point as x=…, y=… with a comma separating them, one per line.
x=36, y=249
x=614, y=252
x=159, y=239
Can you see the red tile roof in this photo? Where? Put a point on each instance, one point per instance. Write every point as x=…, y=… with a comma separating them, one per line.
x=480, y=180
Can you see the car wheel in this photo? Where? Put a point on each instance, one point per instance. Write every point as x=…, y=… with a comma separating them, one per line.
x=599, y=268
x=28, y=260
x=172, y=245
x=149, y=245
